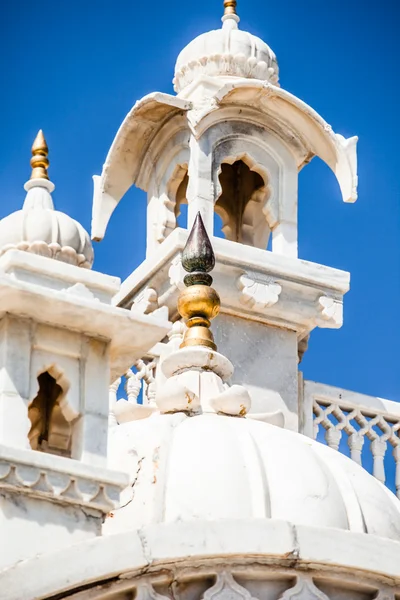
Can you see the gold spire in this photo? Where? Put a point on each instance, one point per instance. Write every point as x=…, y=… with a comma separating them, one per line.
x=39, y=160
x=199, y=302
x=230, y=7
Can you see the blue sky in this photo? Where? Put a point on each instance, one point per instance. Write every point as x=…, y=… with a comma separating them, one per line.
x=75, y=69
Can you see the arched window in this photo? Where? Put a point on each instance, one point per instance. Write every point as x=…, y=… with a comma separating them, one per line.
x=240, y=204
x=50, y=431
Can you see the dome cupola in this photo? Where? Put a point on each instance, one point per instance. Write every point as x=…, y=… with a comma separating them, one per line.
x=226, y=52
x=37, y=227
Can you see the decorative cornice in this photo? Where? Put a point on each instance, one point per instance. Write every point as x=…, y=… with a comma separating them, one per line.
x=57, y=479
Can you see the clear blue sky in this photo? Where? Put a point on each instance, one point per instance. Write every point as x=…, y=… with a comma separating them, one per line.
x=76, y=68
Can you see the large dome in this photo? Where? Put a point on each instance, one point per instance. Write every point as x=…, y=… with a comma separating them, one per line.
x=226, y=52
x=214, y=467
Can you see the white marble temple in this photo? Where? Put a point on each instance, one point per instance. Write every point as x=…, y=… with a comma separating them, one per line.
x=198, y=485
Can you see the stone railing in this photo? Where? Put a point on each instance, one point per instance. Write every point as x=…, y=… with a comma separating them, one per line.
x=139, y=382
x=365, y=428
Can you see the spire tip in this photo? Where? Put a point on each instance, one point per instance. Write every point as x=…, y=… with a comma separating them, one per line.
x=39, y=160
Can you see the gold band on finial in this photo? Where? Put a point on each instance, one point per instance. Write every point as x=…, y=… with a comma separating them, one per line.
x=230, y=7
x=199, y=303
x=39, y=160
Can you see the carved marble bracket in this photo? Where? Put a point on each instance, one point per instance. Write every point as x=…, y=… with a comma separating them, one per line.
x=146, y=301
x=331, y=310
x=258, y=291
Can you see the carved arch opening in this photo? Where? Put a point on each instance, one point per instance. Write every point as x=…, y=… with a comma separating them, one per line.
x=177, y=190
x=51, y=423
x=243, y=194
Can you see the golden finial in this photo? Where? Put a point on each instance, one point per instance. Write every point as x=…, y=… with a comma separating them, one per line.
x=230, y=7
x=39, y=160
x=199, y=302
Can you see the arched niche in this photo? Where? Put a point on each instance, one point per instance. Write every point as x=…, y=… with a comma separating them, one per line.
x=50, y=416
x=270, y=207
x=243, y=194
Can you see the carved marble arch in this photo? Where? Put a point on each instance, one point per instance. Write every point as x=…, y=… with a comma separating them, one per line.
x=243, y=193
x=168, y=190
x=272, y=208
x=50, y=415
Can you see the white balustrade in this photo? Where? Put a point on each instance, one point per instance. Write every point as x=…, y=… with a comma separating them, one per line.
x=361, y=417
x=141, y=378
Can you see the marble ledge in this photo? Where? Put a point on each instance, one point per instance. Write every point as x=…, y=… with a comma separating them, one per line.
x=253, y=284
x=192, y=544
x=130, y=334
x=57, y=275
x=58, y=479
x=231, y=254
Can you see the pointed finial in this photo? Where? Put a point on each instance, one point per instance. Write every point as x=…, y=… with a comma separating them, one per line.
x=198, y=256
x=230, y=7
x=199, y=303
x=39, y=160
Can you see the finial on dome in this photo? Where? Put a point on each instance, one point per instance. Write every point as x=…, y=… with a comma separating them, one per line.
x=230, y=7
x=39, y=160
x=230, y=18
x=199, y=303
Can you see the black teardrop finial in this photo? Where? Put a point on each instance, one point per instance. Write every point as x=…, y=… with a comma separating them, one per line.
x=198, y=256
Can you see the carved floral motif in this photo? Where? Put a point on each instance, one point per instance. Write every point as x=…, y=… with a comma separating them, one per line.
x=258, y=292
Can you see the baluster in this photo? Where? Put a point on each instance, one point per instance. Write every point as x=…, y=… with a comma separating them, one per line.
x=378, y=449
x=333, y=437
x=356, y=443
x=396, y=454
x=113, y=389
x=133, y=386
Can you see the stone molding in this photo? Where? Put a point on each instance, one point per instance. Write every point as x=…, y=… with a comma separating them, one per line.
x=277, y=290
x=301, y=558
x=45, y=291
x=59, y=479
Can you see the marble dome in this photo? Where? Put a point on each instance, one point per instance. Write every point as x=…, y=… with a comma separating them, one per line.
x=39, y=229
x=226, y=52
x=214, y=467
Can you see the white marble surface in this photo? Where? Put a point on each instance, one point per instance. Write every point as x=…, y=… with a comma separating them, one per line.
x=216, y=467
x=259, y=554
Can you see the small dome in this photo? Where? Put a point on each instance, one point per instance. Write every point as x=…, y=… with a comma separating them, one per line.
x=40, y=229
x=214, y=467
x=226, y=52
